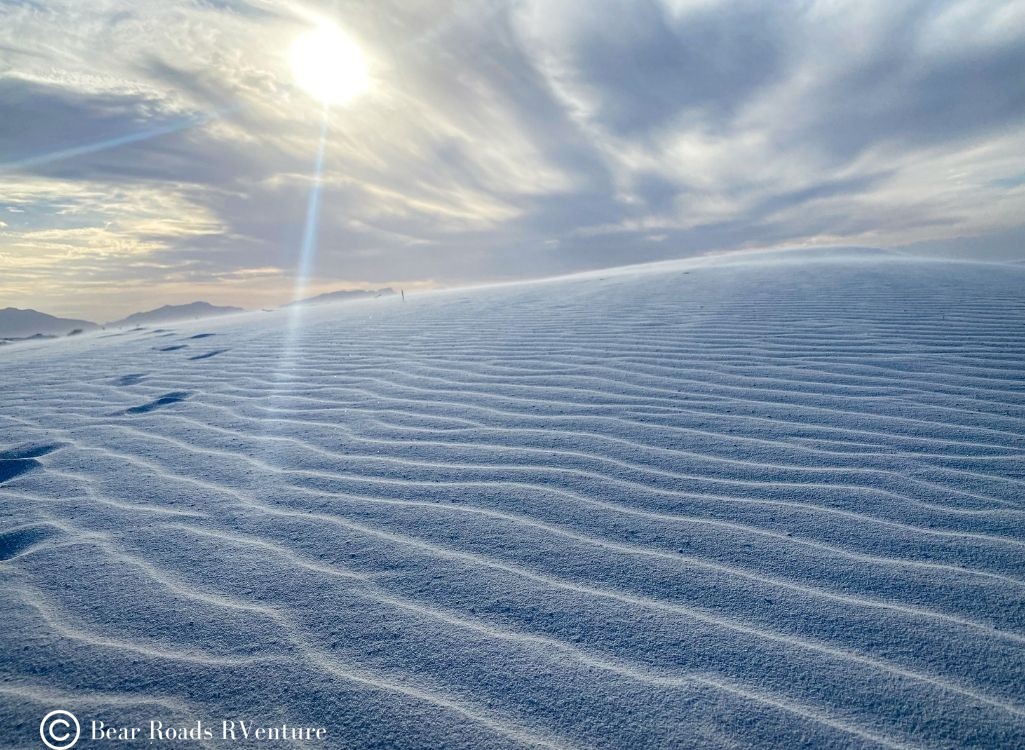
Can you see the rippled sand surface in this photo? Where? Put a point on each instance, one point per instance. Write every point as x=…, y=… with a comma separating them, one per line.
x=775, y=503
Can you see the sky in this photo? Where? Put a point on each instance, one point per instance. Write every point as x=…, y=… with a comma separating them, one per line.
x=161, y=151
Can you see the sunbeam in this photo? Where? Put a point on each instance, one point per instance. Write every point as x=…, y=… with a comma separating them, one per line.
x=184, y=123
x=287, y=354
x=308, y=249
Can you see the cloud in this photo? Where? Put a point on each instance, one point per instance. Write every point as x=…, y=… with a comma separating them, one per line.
x=500, y=140
x=636, y=66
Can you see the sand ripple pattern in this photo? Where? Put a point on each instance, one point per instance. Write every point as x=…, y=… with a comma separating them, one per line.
x=771, y=504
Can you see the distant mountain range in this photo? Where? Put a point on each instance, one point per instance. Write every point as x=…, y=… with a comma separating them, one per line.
x=169, y=313
x=343, y=295
x=23, y=324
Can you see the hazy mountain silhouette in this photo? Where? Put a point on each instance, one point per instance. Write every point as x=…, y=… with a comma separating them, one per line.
x=20, y=324
x=169, y=313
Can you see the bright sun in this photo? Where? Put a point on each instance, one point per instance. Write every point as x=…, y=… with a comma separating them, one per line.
x=329, y=65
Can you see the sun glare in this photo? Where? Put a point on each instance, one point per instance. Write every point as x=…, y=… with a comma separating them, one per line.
x=329, y=66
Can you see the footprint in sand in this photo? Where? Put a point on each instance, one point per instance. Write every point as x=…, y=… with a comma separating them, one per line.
x=133, y=378
x=16, y=461
x=214, y=353
x=11, y=468
x=17, y=541
x=166, y=400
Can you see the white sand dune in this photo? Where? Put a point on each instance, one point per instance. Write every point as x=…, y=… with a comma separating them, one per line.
x=771, y=502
